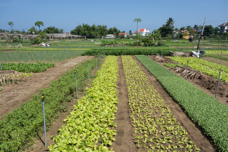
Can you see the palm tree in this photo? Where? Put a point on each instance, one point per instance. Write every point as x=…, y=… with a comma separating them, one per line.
x=11, y=24
x=39, y=24
x=137, y=20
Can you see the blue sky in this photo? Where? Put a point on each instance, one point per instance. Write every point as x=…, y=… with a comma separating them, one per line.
x=67, y=14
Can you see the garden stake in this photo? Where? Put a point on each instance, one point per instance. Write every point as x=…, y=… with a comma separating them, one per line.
x=76, y=89
x=217, y=85
x=44, y=122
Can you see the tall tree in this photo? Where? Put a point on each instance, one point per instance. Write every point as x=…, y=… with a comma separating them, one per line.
x=137, y=20
x=52, y=29
x=168, y=28
x=39, y=24
x=93, y=31
x=11, y=24
x=32, y=30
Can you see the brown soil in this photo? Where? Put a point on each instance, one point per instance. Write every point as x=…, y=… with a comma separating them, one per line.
x=206, y=83
x=38, y=146
x=12, y=96
x=215, y=60
x=195, y=134
x=124, y=140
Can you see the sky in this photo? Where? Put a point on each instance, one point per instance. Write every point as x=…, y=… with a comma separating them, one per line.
x=67, y=14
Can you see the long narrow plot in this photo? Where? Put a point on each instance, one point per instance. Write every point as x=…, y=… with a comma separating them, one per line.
x=204, y=110
x=91, y=125
x=155, y=127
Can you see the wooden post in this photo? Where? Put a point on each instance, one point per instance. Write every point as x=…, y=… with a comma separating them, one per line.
x=217, y=85
x=76, y=85
x=44, y=121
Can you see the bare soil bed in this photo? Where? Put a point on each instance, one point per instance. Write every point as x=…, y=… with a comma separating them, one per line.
x=12, y=96
x=124, y=140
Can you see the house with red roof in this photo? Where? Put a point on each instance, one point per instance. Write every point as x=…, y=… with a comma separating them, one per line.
x=123, y=34
x=143, y=32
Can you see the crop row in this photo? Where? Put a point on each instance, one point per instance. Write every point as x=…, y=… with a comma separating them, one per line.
x=155, y=127
x=91, y=125
x=221, y=51
x=19, y=127
x=126, y=51
x=30, y=56
x=26, y=67
x=204, y=110
x=9, y=78
x=204, y=66
x=221, y=57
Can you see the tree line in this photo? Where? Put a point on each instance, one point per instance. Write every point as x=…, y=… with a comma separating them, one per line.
x=94, y=31
x=167, y=30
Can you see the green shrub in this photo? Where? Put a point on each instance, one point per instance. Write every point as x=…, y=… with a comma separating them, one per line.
x=42, y=37
x=129, y=51
x=27, y=67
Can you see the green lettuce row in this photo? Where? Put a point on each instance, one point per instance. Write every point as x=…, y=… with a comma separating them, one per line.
x=91, y=125
x=203, y=109
x=155, y=127
x=18, y=128
x=26, y=67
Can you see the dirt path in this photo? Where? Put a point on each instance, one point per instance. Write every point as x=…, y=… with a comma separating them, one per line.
x=215, y=60
x=14, y=95
x=195, y=134
x=124, y=140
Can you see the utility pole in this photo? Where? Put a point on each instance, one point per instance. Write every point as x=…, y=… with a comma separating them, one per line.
x=201, y=35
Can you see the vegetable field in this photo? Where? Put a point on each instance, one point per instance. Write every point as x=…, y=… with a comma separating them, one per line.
x=38, y=56
x=91, y=125
x=26, y=67
x=155, y=127
x=115, y=99
x=204, y=66
x=203, y=109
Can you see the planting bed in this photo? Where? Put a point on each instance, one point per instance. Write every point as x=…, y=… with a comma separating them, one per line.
x=26, y=67
x=12, y=96
x=204, y=110
x=91, y=126
x=19, y=127
x=207, y=83
x=204, y=66
x=155, y=127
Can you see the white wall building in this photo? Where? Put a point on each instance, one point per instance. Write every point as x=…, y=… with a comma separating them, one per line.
x=143, y=31
x=225, y=26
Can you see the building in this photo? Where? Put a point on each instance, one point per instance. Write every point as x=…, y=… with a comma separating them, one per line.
x=224, y=26
x=186, y=34
x=65, y=35
x=143, y=32
x=110, y=36
x=32, y=36
x=123, y=34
